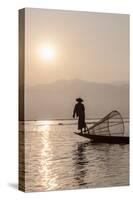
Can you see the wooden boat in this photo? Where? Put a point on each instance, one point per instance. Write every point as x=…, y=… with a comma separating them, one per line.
x=109, y=129
x=105, y=139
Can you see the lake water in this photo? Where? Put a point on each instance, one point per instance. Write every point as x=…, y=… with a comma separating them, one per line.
x=58, y=159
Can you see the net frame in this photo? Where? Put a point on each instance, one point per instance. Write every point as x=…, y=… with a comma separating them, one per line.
x=105, y=125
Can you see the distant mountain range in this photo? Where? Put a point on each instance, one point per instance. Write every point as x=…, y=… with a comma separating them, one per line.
x=56, y=100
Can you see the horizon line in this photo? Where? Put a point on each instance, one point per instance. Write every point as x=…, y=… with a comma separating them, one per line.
x=66, y=119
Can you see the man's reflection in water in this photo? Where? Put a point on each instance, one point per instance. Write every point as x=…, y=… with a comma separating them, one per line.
x=80, y=163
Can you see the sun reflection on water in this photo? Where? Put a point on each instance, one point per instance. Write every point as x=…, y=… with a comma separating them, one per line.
x=46, y=154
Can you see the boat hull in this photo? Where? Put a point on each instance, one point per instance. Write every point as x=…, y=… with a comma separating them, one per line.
x=106, y=139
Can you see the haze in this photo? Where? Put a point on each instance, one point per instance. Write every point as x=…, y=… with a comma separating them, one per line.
x=75, y=54
x=88, y=46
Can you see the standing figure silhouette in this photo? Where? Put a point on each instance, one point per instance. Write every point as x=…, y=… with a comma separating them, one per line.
x=79, y=111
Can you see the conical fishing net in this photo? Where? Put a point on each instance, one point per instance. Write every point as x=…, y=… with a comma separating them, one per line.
x=111, y=124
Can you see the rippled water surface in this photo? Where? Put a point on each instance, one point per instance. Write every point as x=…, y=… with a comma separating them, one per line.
x=57, y=159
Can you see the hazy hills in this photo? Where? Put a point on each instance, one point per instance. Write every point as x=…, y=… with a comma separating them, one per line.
x=56, y=100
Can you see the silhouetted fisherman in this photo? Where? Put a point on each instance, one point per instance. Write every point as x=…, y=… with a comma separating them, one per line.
x=79, y=111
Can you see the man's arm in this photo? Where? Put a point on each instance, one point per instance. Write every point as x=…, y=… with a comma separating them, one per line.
x=83, y=108
x=74, y=111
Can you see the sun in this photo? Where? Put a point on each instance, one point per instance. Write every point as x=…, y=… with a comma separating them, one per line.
x=48, y=53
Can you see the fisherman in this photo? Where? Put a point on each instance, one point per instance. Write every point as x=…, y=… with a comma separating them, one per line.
x=79, y=111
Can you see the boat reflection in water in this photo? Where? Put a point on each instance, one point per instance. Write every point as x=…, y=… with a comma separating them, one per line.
x=80, y=164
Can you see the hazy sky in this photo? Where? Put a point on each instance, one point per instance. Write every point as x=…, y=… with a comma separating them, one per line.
x=87, y=46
